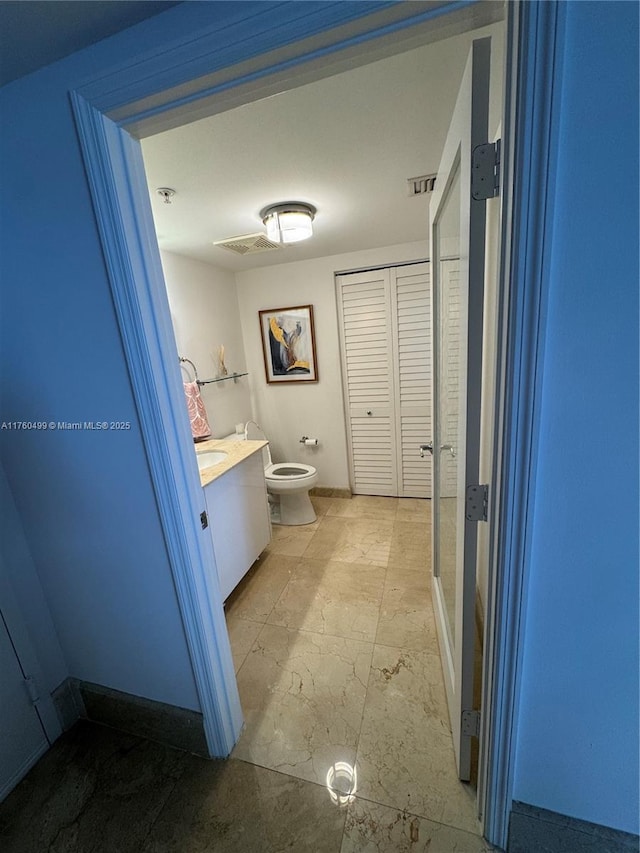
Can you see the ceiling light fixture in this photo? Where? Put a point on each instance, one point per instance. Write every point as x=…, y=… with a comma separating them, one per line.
x=288, y=222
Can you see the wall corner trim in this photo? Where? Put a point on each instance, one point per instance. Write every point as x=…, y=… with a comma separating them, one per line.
x=115, y=171
x=533, y=67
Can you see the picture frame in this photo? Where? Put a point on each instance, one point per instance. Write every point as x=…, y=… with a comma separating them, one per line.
x=288, y=344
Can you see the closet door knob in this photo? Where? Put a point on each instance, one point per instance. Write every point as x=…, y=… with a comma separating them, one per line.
x=369, y=412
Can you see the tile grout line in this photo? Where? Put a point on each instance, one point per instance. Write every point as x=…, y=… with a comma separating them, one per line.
x=407, y=813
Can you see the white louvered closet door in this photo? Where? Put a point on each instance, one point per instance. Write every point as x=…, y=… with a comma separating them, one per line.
x=385, y=318
x=411, y=328
x=368, y=380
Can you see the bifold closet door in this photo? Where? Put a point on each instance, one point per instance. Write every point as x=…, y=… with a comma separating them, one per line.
x=386, y=359
x=368, y=381
x=411, y=330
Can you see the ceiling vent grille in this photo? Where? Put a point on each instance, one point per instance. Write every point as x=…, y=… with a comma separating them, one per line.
x=421, y=185
x=247, y=244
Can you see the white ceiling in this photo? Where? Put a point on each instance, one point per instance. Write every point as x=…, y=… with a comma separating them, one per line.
x=346, y=144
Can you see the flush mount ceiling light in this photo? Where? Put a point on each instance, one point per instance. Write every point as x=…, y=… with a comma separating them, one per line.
x=288, y=222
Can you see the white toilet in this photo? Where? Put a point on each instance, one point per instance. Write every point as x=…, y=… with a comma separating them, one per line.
x=288, y=483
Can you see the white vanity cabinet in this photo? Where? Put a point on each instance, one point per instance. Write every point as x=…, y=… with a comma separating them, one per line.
x=239, y=521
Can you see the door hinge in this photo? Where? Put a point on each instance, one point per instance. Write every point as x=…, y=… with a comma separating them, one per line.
x=476, y=505
x=32, y=689
x=471, y=723
x=204, y=520
x=485, y=171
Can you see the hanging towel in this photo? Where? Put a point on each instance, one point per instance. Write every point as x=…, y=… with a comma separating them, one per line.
x=200, y=428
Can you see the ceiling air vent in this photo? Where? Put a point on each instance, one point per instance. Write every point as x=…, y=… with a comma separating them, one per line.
x=421, y=185
x=247, y=244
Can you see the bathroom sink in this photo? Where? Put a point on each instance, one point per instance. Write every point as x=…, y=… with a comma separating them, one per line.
x=209, y=458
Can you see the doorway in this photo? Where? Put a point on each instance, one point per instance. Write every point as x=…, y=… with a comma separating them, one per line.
x=295, y=606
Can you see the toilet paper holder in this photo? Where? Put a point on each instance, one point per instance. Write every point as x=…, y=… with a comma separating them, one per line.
x=310, y=441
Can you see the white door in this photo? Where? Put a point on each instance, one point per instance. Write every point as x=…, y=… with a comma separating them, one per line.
x=22, y=738
x=458, y=230
x=411, y=330
x=368, y=379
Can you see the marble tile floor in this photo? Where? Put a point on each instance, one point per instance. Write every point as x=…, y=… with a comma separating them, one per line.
x=346, y=745
x=341, y=669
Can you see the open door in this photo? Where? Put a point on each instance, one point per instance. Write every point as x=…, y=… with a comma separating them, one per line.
x=457, y=261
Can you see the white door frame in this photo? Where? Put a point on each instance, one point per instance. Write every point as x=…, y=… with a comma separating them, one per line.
x=210, y=73
x=531, y=112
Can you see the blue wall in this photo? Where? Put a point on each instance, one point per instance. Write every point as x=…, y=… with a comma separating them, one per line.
x=85, y=499
x=578, y=732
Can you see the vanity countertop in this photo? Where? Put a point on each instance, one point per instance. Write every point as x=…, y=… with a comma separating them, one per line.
x=237, y=451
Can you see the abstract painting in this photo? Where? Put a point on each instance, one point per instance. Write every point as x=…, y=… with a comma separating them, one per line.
x=288, y=344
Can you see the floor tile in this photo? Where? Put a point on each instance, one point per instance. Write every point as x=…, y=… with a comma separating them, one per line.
x=291, y=540
x=352, y=540
x=234, y=807
x=95, y=791
x=258, y=591
x=409, y=576
x=242, y=636
x=372, y=828
x=365, y=506
x=405, y=752
x=321, y=504
x=416, y=510
x=332, y=597
x=410, y=545
x=406, y=618
x=411, y=533
x=302, y=695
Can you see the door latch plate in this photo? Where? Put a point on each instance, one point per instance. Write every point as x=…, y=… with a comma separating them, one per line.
x=204, y=520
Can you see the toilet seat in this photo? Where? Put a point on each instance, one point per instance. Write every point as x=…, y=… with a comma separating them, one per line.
x=289, y=471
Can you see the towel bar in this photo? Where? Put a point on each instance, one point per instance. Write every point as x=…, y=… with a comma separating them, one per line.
x=188, y=361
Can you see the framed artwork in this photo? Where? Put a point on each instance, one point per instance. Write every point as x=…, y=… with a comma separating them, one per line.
x=289, y=344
